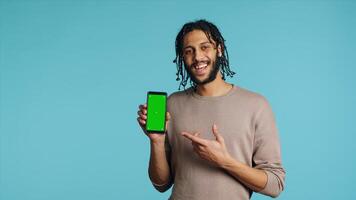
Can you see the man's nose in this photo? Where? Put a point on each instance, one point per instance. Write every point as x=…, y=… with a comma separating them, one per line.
x=198, y=55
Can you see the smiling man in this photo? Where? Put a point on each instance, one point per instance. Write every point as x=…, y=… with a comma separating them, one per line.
x=221, y=140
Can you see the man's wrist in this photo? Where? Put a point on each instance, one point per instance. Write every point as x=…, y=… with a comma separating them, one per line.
x=157, y=142
x=227, y=163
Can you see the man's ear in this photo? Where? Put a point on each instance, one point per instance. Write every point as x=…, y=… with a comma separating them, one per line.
x=220, y=50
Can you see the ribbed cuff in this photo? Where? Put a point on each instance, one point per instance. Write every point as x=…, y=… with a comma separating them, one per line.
x=159, y=185
x=272, y=186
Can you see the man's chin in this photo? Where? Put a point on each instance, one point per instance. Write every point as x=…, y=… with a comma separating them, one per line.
x=201, y=82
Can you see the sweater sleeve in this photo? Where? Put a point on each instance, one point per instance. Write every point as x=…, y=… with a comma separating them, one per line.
x=266, y=150
x=166, y=186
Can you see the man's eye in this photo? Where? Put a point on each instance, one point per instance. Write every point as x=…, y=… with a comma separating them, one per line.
x=204, y=47
x=188, y=52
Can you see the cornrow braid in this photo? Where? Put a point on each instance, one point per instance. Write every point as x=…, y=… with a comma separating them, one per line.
x=213, y=34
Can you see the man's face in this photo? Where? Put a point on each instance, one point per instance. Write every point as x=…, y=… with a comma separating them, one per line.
x=200, y=57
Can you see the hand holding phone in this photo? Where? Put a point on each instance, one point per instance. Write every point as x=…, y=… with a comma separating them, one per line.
x=153, y=117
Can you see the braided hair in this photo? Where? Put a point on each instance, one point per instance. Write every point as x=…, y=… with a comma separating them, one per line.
x=212, y=33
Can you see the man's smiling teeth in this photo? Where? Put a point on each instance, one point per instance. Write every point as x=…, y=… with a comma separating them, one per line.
x=200, y=66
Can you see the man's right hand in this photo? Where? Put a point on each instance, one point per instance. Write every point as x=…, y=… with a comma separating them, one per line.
x=142, y=117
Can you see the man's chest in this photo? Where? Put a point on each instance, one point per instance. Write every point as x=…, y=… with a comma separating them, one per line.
x=235, y=122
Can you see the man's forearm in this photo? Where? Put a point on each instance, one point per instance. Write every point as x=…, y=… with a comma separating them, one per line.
x=158, y=167
x=255, y=179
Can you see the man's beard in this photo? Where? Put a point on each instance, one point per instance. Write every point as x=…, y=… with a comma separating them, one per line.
x=212, y=73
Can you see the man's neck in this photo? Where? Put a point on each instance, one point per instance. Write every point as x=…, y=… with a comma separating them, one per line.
x=218, y=87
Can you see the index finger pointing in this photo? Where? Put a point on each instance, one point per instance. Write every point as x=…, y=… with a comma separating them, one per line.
x=194, y=138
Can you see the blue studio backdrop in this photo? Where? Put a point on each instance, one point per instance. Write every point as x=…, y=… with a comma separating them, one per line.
x=72, y=74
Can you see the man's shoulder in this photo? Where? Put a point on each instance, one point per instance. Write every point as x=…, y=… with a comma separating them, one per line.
x=250, y=97
x=247, y=93
x=180, y=94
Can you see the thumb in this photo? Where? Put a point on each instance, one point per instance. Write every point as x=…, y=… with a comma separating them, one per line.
x=168, y=116
x=217, y=135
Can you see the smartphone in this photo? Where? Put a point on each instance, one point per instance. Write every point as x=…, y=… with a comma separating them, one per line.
x=156, y=112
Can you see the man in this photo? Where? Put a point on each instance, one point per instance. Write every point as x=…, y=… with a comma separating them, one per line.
x=221, y=140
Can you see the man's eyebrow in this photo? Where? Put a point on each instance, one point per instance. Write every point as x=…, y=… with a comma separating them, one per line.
x=206, y=42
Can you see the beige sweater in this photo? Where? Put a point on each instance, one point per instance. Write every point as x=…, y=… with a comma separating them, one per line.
x=246, y=122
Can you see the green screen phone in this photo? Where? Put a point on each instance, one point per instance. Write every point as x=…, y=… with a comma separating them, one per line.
x=156, y=112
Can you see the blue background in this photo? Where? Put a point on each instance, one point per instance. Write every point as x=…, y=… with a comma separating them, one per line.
x=74, y=72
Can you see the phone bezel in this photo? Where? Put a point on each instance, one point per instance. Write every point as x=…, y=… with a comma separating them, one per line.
x=156, y=93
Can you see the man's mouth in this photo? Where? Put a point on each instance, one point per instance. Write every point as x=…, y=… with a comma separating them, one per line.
x=200, y=68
